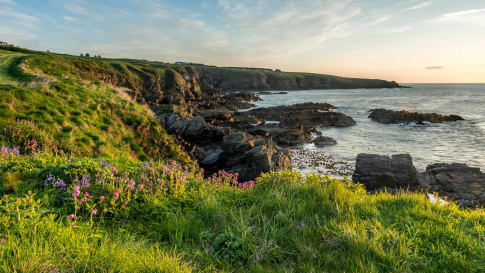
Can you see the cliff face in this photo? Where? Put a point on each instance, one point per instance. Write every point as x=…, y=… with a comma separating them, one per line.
x=232, y=79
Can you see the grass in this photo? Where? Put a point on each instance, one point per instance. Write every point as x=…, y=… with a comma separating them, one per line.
x=144, y=215
x=68, y=114
x=286, y=223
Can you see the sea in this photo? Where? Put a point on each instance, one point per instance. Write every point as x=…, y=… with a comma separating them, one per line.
x=462, y=142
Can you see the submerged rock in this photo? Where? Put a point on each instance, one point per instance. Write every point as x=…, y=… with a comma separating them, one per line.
x=381, y=171
x=323, y=141
x=392, y=117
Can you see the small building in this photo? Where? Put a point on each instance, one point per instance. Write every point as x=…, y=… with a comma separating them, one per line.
x=179, y=62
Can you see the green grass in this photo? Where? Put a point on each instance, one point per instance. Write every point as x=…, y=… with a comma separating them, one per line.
x=70, y=113
x=286, y=223
x=181, y=222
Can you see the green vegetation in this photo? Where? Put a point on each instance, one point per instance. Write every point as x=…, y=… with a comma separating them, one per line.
x=90, y=182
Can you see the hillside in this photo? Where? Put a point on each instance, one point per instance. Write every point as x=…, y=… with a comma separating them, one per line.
x=90, y=181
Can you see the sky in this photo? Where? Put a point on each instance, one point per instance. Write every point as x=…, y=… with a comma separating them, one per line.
x=408, y=41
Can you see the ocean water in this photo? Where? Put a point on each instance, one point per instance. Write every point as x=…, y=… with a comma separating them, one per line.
x=462, y=141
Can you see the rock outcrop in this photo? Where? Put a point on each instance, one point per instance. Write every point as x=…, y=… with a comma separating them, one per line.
x=393, y=117
x=194, y=129
x=459, y=182
x=304, y=114
x=250, y=156
x=381, y=171
x=284, y=136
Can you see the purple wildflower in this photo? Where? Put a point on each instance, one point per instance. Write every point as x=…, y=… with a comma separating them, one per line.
x=94, y=212
x=76, y=192
x=101, y=197
x=15, y=150
x=71, y=216
x=84, y=181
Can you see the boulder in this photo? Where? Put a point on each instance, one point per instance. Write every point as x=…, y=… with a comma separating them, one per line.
x=463, y=184
x=381, y=171
x=393, y=117
x=323, y=141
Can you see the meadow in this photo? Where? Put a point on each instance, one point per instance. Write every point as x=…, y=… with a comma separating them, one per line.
x=91, y=182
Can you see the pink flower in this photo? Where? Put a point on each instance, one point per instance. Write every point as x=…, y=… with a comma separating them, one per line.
x=86, y=194
x=71, y=216
x=94, y=211
x=116, y=194
x=141, y=186
x=101, y=197
x=98, y=170
x=166, y=189
x=76, y=192
x=239, y=185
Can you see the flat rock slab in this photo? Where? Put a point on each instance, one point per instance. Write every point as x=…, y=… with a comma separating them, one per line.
x=394, y=117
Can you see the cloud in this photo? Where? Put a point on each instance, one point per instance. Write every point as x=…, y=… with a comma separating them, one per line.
x=396, y=30
x=266, y=30
x=471, y=16
x=21, y=26
x=418, y=6
x=69, y=18
x=434, y=67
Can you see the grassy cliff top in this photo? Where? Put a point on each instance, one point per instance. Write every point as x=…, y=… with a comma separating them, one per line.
x=44, y=99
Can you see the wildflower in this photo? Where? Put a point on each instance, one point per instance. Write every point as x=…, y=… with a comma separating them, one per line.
x=132, y=184
x=101, y=197
x=239, y=185
x=4, y=151
x=94, y=212
x=144, y=166
x=85, y=181
x=71, y=216
x=141, y=186
x=86, y=194
x=76, y=192
x=98, y=170
x=15, y=150
x=166, y=189
x=116, y=193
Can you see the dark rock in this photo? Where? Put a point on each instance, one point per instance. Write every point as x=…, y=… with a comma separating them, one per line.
x=250, y=156
x=265, y=93
x=463, y=184
x=282, y=93
x=392, y=117
x=194, y=130
x=284, y=136
x=323, y=141
x=381, y=171
x=325, y=119
x=304, y=114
